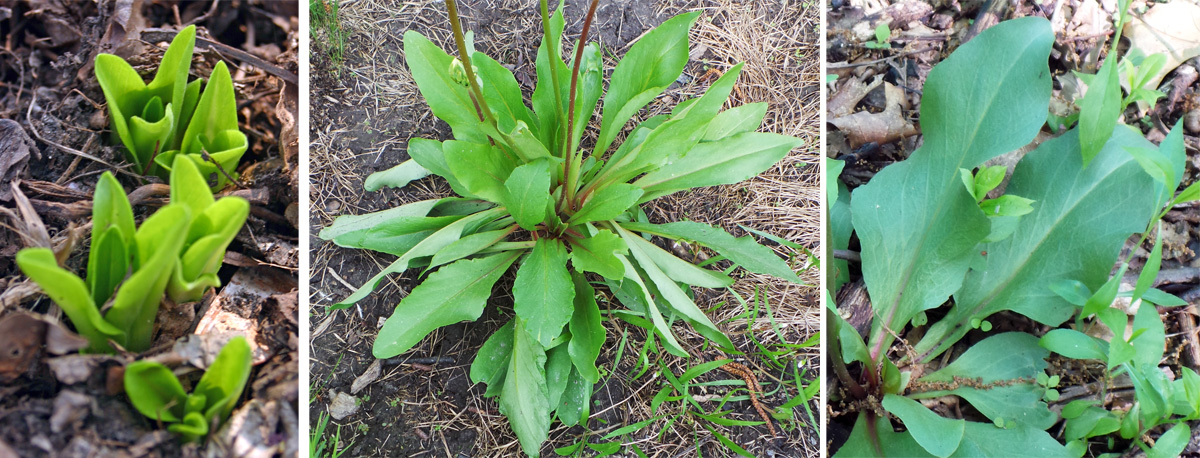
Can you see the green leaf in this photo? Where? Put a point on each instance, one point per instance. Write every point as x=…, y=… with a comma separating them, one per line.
x=985, y=440
x=938, y=435
x=429, y=154
x=543, y=293
x=159, y=241
x=1074, y=344
x=651, y=64
x=678, y=269
x=467, y=246
x=527, y=193
x=574, y=405
x=744, y=251
x=599, y=253
x=671, y=292
x=428, y=246
x=865, y=438
x=642, y=293
x=214, y=128
x=1148, y=345
x=587, y=332
x=107, y=265
x=840, y=223
x=549, y=102
x=482, y=168
x=502, y=93
x=1149, y=273
x=918, y=225
x=491, y=362
x=726, y=161
x=454, y=293
x=1171, y=443
x=1012, y=359
x=396, y=177
x=736, y=120
x=1083, y=215
x=607, y=203
x=1099, y=109
x=525, y=400
x=1073, y=291
x=154, y=391
x=558, y=371
x=226, y=377
x=987, y=179
x=448, y=100
x=112, y=239
x=1007, y=205
x=71, y=294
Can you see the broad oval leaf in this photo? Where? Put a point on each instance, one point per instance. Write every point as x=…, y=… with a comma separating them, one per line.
x=454, y=293
x=527, y=193
x=223, y=381
x=448, y=100
x=396, y=177
x=1005, y=366
x=917, y=223
x=481, y=168
x=491, y=362
x=587, y=332
x=71, y=294
x=154, y=391
x=543, y=293
x=599, y=253
x=525, y=399
x=607, y=203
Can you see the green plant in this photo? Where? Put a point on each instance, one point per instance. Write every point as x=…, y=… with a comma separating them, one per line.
x=171, y=117
x=326, y=20
x=155, y=391
x=928, y=234
x=177, y=250
x=318, y=444
x=530, y=193
x=883, y=37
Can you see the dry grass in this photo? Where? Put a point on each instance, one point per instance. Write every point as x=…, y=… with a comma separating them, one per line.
x=779, y=44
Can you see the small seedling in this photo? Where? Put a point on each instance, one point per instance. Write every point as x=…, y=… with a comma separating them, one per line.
x=155, y=391
x=171, y=117
x=178, y=250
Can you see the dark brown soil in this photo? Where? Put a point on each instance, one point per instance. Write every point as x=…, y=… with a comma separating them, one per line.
x=424, y=404
x=48, y=88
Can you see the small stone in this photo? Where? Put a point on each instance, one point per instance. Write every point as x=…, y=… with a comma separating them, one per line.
x=343, y=406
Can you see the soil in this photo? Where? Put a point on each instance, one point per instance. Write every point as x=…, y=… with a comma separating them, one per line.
x=53, y=111
x=923, y=35
x=364, y=110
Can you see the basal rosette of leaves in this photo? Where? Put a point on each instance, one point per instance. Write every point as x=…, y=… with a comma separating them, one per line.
x=157, y=393
x=569, y=219
x=929, y=234
x=171, y=117
x=177, y=250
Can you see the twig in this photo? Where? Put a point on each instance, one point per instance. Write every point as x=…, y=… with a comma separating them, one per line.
x=29, y=119
x=876, y=61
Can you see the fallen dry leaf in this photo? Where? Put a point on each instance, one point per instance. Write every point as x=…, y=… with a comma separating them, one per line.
x=1168, y=28
x=886, y=126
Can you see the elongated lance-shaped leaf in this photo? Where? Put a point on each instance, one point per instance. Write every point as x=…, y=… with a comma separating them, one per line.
x=678, y=269
x=159, y=241
x=108, y=264
x=527, y=193
x=558, y=370
x=502, y=94
x=652, y=64
x=111, y=212
x=155, y=391
x=671, y=292
x=574, y=404
x=676, y=136
x=154, y=128
x=223, y=382
x=426, y=247
x=587, y=332
x=637, y=287
x=491, y=362
x=71, y=294
x=841, y=225
x=170, y=81
x=726, y=161
x=744, y=250
x=1099, y=109
x=468, y=245
x=525, y=400
x=126, y=95
x=917, y=223
x=550, y=102
x=353, y=227
x=1080, y=221
x=543, y=293
x=448, y=100
x=736, y=120
x=454, y=293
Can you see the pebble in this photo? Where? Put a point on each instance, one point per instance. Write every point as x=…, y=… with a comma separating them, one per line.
x=343, y=406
